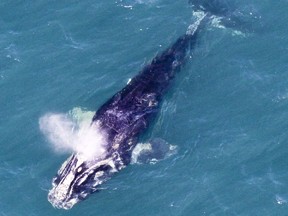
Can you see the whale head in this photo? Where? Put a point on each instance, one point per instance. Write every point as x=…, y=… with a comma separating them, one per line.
x=77, y=178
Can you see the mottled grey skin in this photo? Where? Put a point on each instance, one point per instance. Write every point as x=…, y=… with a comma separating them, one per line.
x=122, y=118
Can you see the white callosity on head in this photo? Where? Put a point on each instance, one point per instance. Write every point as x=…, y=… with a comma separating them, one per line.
x=60, y=195
x=61, y=190
x=74, y=173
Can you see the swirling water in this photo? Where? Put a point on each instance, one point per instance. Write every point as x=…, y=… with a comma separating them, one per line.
x=227, y=111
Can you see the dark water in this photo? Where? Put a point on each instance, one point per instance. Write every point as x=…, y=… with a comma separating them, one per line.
x=227, y=111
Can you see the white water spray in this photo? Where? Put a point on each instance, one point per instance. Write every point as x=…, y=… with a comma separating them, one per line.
x=73, y=133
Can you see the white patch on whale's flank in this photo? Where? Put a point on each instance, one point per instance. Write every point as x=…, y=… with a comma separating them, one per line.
x=152, y=152
x=73, y=133
x=140, y=148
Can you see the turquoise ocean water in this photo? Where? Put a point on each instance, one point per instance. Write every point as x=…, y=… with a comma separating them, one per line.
x=227, y=111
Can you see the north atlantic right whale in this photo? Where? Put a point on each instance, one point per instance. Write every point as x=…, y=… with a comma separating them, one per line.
x=121, y=120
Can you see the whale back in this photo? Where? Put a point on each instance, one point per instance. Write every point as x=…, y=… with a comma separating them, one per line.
x=129, y=111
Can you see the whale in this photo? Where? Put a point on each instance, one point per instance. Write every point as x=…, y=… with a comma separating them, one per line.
x=123, y=119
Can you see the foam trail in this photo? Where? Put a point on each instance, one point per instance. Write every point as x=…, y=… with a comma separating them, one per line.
x=74, y=134
x=193, y=27
x=216, y=21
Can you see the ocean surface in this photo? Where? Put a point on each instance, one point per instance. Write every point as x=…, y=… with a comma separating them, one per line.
x=227, y=111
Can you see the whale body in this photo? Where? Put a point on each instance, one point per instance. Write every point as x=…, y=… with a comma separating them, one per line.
x=122, y=119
